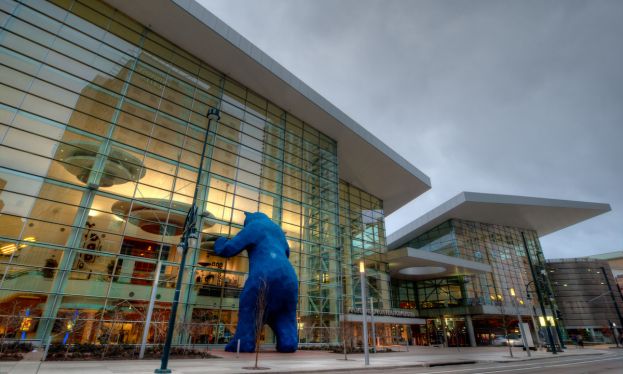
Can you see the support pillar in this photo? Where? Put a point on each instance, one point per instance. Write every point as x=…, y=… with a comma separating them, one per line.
x=444, y=328
x=87, y=331
x=470, y=330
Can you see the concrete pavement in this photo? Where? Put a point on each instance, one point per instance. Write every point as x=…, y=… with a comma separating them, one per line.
x=301, y=361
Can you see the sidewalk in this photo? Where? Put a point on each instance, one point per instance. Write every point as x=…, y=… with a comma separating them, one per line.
x=301, y=361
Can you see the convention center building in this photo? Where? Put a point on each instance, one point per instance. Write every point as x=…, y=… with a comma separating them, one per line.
x=106, y=109
x=474, y=267
x=103, y=121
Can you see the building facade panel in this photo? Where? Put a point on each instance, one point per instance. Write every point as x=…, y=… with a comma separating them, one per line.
x=588, y=297
x=102, y=127
x=501, y=247
x=485, y=299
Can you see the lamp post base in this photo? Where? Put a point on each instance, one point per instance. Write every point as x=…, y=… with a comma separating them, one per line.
x=162, y=371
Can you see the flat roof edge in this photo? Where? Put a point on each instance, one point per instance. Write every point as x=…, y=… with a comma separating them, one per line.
x=463, y=200
x=209, y=19
x=450, y=260
x=189, y=25
x=481, y=197
x=403, y=234
x=612, y=255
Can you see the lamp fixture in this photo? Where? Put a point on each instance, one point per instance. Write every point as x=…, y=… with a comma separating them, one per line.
x=10, y=248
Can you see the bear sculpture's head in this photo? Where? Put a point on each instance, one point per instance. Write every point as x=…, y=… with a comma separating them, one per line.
x=259, y=216
x=250, y=217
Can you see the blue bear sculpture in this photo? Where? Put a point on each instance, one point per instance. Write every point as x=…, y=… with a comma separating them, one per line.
x=268, y=252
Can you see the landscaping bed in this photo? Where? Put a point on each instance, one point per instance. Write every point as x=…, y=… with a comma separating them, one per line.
x=14, y=351
x=82, y=352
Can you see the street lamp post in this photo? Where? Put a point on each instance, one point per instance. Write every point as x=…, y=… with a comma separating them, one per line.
x=556, y=316
x=190, y=238
x=364, y=313
x=520, y=322
x=533, y=315
x=611, y=325
x=150, y=309
x=550, y=336
x=614, y=300
x=372, y=324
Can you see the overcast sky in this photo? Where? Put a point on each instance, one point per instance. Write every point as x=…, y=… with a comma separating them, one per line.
x=512, y=97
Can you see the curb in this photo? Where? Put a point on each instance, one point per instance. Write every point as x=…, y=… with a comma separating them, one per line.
x=420, y=364
x=523, y=359
x=448, y=363
x=360, y=369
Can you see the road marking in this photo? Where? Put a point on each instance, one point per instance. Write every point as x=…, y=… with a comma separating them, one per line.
x=521, y=368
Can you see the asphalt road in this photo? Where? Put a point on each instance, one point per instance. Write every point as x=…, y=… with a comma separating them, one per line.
x=608, y=364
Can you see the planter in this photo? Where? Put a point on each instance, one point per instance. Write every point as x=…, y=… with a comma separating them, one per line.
x=87, y=352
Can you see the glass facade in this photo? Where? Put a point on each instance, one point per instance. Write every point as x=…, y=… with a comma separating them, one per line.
x=362, y=228
x=102, y=126
x=363, y=240
x=585, y=290
x=503, y=249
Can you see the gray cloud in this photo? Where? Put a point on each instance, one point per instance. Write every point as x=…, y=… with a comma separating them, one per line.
x=515, y=97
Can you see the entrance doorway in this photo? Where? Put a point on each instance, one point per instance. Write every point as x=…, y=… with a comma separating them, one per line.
x=451, y=331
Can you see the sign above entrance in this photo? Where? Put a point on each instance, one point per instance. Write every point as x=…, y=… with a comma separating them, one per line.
x=385, y=312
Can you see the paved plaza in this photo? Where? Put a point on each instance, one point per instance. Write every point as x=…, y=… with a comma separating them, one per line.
x=299, y=362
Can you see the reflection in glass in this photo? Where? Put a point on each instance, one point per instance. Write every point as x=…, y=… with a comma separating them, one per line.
x=104, y=124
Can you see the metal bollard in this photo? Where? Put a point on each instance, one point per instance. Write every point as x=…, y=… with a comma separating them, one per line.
x=238, y=349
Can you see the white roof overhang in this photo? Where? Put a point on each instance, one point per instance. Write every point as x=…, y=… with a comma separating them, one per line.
x=531, y=213
x=416, y=264
x=364, y=160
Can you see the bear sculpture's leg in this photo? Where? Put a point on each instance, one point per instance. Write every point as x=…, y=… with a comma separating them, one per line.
x=285, y=328
x=245, y=330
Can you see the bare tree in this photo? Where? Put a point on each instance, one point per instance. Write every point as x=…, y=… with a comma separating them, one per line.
x=504, y=323
x=11, y=322
x=188, y=330
x=115, y=325
x=159, y=322
x=345, y=325
x=202, y=327
x=347, y=328
x=70, y=326
x=260, y=311
x=109, y=331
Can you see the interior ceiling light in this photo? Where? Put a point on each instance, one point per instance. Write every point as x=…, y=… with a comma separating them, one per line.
x=8, y=249
x=152, y=219
x=79, y=157
x=422, y=270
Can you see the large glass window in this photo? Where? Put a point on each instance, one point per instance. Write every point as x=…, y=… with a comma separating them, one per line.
x=501, y=247
x=102, y=127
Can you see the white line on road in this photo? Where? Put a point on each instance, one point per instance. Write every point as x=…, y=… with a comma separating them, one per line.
x=522, y=368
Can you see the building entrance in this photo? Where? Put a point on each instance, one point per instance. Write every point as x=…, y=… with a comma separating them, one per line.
x=387, y=334
x=449, y=331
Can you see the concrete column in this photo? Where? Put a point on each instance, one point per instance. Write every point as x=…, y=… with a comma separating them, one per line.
x=470, y=330
x=87, y=331
x=126, y=271
x=444, y=328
